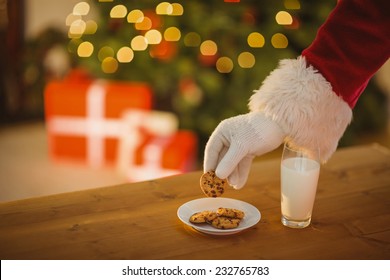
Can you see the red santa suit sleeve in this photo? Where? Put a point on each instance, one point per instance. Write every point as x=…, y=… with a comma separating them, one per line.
x=352, y=46
x=312, y=97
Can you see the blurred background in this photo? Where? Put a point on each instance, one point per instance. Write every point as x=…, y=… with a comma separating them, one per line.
x=163, y=74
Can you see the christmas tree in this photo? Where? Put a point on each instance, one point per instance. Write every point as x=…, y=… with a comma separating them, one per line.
x=203, y=59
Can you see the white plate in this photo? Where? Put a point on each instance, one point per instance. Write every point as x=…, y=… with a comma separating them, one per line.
x=252, y=214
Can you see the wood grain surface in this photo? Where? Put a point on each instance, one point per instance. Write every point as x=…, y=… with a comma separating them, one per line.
x=351, y=218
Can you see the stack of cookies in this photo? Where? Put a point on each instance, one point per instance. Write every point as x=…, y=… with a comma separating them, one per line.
x=223, y=218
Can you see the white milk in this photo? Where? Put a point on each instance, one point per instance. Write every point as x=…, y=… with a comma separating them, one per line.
x=299, y=177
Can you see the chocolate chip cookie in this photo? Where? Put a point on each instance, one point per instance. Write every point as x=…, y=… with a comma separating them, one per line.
x=203, y=217
x=211, y=185
x=230, y=213
x=225, y=222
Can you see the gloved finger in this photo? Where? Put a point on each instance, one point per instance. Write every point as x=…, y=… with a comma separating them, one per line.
x=230, y=161
x=213, y=152
x=239, y=176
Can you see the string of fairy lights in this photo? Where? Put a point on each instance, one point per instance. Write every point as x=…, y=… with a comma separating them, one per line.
x=150, y=36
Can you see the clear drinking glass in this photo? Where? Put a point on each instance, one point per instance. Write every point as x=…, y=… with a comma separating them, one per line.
x=299, y=178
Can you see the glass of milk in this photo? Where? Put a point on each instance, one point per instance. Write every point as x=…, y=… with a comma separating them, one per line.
x=299, y=177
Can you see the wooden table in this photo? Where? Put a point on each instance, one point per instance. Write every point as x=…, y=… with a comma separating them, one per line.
x=351, y=218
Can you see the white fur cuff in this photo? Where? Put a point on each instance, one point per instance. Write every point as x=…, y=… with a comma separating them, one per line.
x=304, y=105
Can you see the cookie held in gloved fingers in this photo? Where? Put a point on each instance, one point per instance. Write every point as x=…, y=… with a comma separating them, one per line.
x=211, y=185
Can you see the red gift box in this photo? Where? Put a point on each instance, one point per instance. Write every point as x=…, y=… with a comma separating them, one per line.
x=152, y=146
x=83, y=117
x=160, y=156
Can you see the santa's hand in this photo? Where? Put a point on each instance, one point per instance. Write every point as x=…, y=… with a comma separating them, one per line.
x=236, y=141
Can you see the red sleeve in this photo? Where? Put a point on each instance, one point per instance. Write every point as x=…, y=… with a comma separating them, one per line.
x=352, y=45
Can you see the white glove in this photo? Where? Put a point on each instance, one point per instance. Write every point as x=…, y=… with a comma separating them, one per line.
x=236, y=141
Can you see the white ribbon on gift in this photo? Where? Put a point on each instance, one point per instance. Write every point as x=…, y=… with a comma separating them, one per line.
x=152, y=162
x=162, y=125
x=94, y=126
